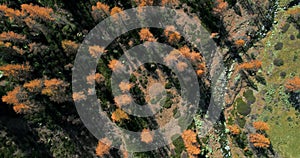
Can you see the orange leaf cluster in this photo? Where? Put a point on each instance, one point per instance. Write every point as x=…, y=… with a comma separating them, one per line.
x=34, y=85
x=293, y=85
x=96, y=51
x=196, y=59
x=102, y=7
x=125, y=86
x=69, y=46
x=114, y=65
x=221, y=6
x=9, y=12
x=11, y=36
x=56, y=89
x=239, y=43
x=142, y=3
x=100, y=10
x=35, y=11
x=77, y=96
x=172, y=35
x=118, y=115
x=190, y=141
x=14, y=70
x=252, y=65
x=259, y=140
x=169, y=2
x=115, y=10
x=146, y=35
x=146, y=136
x=95, y=77
x=123, y=100
x=18, y=50
x=261, y=126
x=103, y=147
x=234, y=129
x=17, y=98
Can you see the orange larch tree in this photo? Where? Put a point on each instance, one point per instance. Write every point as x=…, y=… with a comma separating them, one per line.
x=70, y=47
x=103, y=147
x=234, y=129
x=35, y=11
x=259, y=140
x=146, y=136
x=119, y=115
x=239, y=43
x=55, y=89
x=252, y=65
x=190, y=141
x=293, y=85
x=146, y=35
x=34, y=85
x=261, y=126
x=96, y=51
x=18, y=98
x=77, y=96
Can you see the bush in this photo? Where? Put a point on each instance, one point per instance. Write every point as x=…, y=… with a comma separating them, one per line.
x=278, y=62
x=261, y=79
x=242, y=107
x=278, y=46
x=285, y=28
x=292, y=37
x=249, y=96
x=282, y=74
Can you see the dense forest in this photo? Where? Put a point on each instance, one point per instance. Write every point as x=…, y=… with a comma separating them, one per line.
x=224, y=81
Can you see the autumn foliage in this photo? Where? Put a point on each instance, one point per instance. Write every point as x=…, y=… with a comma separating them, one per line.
x=234, y=129
x=119, y=115
x=146, y=35
x=293, y=85
x=146, y=136
x=190, y=141
x=261, y=126
x=103, y=147
x=16, y=71
x=259, y=140
x=18, y=98
x=221, y=5
x=252, y=65
x=35, y=11
x=239, y=43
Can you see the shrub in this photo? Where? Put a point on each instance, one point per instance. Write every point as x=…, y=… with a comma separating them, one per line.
x=242, y=107
x=282, y=74
x=278, y=62
x=285, y=28
x=292, y=37
x=278, y=46
x=249, y=96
